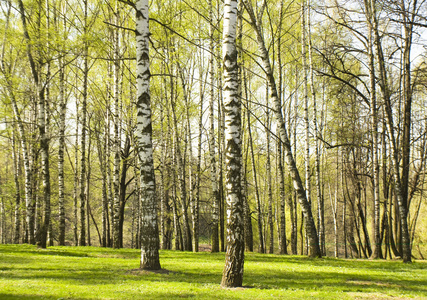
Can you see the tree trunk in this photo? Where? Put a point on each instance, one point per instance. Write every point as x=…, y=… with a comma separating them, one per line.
x=44, y=140
x=233, y=270
x=196, y=203
x=61, y=149
x=320, y=204
x=102, y=163
x=249, y=241
x=181, y=184
x=214, y=185
x=76, y=178
x=282, y=233
x=314, y=249
x=254, y=173
x=399, y=189
x=29, y=233
x=306, y=113
x=123, y=184
x=87, y=191
x=82, y=196
x=334, y=208
x=408, y=15
x=376, y=253
x=117, y=146
x=110, y=195
x=150, y=238
x=2, y=221
x=16, y=175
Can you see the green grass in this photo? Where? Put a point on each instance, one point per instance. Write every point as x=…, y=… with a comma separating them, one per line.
x=98, y=273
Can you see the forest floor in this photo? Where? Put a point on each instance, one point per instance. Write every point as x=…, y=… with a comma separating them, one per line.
x=99, y=273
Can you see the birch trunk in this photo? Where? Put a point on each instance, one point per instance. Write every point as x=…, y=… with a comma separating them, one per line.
x=283, y=242
x=29, y=233
x=313, y=241
x=61, y=186
x=82, y=195
x=16, y=175
x=2, y=221
x=116, y=164
x=249, y=242
x=61, y=148
x=196, y=203
x=163, y=182
x=44, y=140
x=320, y=204
x=110, y=196
x=305, y=95
x=401, y=201
x=76, y=178
x=376, y=253
x=254, y=173
x=270, y=220
x=87, y=189
x=233, y=270
x=213, y=171
x=149, y=227
x=102, y=166
x=186, y=233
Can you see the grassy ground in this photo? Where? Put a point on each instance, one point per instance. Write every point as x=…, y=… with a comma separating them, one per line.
x=98, y=273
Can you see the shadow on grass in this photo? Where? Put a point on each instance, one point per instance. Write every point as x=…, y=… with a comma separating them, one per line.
x=186, y=269
x=14, y=296
x=71, y=251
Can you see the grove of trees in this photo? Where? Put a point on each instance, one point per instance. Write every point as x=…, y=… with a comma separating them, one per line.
x=291, y=127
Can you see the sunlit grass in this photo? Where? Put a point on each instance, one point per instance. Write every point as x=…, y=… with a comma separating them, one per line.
x=100, y=273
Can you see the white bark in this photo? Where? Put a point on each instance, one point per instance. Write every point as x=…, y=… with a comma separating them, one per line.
x=82, y=191
x=233, y=269
x=150, y=238
x=117, y=146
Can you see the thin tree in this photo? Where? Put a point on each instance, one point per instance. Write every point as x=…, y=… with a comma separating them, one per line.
x=5, y=69
x=117, y=150
x=313, y=240
x=386, y=93
x=255, y=178
x=82, y=195
x=61, y=147
x=320, y=204
x=214, y=183
x=376, y=253
x=44, y=139
x=16, y=175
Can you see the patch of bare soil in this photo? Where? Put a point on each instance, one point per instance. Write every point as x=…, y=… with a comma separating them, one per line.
x=147, y=272
x=376, y=296
x=240, y=288
x=205, y=248
x=378, y=283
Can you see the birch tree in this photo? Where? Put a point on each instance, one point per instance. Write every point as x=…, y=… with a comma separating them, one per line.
x=386, y=93
x=213, y=171
x=117, y=144
x=313, y=241
x=150, y=237
x=41, y=123
x=233, y=270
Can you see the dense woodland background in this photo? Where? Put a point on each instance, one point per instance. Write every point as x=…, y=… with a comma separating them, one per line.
x=68, y=167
